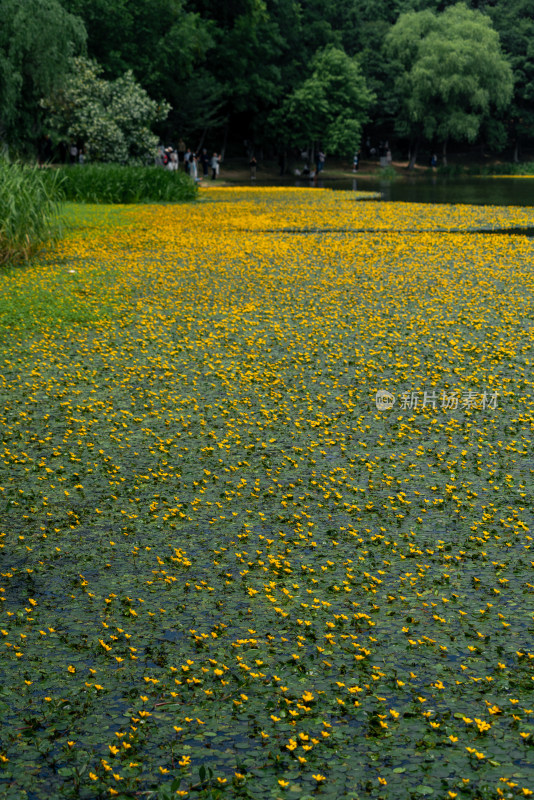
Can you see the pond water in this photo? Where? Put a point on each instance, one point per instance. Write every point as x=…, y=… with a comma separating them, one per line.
x=474, y=191
x=435, y=189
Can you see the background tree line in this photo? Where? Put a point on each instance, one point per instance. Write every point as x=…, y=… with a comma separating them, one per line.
x=273, y=73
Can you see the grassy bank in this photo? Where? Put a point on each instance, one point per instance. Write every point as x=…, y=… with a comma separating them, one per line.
x=226, y=571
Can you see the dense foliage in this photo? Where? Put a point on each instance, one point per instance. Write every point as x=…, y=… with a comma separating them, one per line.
x=112, y=119
x=247, y=69
x=451, y=74
x=37, y=39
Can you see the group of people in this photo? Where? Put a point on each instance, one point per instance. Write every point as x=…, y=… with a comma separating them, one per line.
x=320, y=159
x=196, y=165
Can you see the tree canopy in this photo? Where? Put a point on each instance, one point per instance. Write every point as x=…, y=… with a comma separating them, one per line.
x=329, y=106
x=37, y=39
x=451, y=72
x=112, y=119
x=265, y=70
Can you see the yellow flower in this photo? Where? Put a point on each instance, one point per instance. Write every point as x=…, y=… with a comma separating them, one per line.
x=292, y=744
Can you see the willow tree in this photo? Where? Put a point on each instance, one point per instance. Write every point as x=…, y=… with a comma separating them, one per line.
x=452, y=74
x=37, y=39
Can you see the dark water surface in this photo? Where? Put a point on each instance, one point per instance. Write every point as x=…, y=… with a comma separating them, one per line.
x=474, y=191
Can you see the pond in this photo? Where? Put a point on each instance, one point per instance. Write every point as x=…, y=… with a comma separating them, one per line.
x=474, y=190
x=515, y=191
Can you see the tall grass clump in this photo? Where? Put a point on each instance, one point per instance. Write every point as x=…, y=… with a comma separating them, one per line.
x=111, y=183
x=506, y=168
x=510, y=168
x=28, y=210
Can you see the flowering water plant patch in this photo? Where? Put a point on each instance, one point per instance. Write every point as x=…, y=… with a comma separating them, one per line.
x=225, y=570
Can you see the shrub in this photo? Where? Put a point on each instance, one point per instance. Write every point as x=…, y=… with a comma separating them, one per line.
x=388, y=173
x=28, y=210
x=523, y=168
x=111, y=183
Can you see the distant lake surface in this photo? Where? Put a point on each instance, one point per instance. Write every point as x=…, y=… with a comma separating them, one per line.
x=435, y=189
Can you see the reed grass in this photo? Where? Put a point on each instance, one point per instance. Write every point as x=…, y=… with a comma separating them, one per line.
x=110, y=183
x=29, y=212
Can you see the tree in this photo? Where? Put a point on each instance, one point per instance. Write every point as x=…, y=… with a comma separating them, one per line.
x=247, y=61
x=37, y=39
x=329, y=107
x=112, y=119
x=452, y=74
x=165, y=46
x=515, y=22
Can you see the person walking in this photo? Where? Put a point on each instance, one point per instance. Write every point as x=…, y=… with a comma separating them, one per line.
x=204, y=160
x=168, y=162
x=73, y=153
x=188, y=157
x=181, y=150
x=253, y=164
x=193, y=168
x=215, y=159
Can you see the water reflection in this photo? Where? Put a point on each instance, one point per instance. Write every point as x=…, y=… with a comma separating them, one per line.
x=431, y=189
x=474, y=191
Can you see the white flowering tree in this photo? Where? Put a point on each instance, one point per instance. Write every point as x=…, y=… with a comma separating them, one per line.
x=113, y=119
